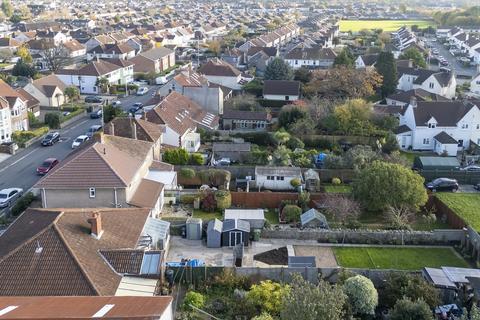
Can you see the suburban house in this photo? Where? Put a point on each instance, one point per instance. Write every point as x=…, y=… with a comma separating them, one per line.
x=109, y=171
x=110, y=38
x=5, y=121
x=366, y=61
x=475, y=86
x=440, y=126
x=74, y=49
x=86, y=78
x=246, y=120
x=209, y=96
x=17, y=106
x=155, y=60
x=402, y=98
x=48, y=91
x=281, y=90
x=222, y=73
x=33, y=105
x=181, y=117
x=312, y=58
x=108, y=308
x=82, y=252
x=259, y=58
x=442, y=83
x=9, y=45
x=276, y=178
x=111, y=51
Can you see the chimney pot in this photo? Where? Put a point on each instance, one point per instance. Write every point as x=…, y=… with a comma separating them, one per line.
x=96, y=225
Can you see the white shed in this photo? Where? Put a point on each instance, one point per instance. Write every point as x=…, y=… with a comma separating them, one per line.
x=256, y=217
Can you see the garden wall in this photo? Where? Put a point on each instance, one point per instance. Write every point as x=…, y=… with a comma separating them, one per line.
x=394, y=237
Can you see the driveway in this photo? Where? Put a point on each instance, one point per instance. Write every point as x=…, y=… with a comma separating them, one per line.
x=466, y=188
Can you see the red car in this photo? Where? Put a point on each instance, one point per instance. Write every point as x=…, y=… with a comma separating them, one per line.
x=47, y=165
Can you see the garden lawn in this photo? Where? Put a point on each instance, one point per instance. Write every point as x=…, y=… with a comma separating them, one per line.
x=206, y=216
x=385, y=25
x=342, y=188
x=272, y=216
x=465, y=205
x=397, y=258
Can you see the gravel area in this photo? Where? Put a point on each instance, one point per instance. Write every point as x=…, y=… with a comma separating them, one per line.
x=324, y=257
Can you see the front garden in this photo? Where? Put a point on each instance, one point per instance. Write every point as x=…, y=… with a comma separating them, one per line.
x=397, y=258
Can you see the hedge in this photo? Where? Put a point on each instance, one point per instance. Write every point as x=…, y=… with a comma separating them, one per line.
x=22, y=204
x=21, y=137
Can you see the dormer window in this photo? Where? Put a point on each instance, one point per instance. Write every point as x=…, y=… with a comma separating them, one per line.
x=432, y=125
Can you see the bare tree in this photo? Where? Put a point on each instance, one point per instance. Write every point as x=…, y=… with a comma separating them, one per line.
x=341, y=208
x=55, y=57
x=400, y=217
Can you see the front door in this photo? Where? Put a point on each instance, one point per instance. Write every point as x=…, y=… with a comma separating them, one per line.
x=404, y=142
x=235, y=238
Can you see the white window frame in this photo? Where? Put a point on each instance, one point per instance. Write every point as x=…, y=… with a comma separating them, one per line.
x=92, y=193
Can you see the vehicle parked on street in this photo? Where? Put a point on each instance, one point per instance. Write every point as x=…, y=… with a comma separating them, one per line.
x=142, y=91
x=442, y=184
x=93, y=99
x=46, y=166
x=8, y=196
x=51, y=138
x=79, y=141
x=136, y=106
x=471, y=168
x=93, y=129
x=97, y=114
x=477, y=187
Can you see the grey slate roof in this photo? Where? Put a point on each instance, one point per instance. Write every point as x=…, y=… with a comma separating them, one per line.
x=229, y=225
x=215, y=225
x=447, y=113
x=445, y=138
x=281, y=87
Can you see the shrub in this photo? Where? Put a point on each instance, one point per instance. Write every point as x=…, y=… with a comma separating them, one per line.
x=208, y=202
x=195, y=299
x=215, y=177
x=196, y=159
x=188, y=198
x=223, y=199
x=295, y=143
x=176, y=156
x=52, y=119
x=187, y=173
x=22, y=204
x=292, y=213
x=362, y=295
x=268, y=296
x=295, y=182
x=336, y=181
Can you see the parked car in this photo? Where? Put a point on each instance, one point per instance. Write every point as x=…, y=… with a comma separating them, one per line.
x=46, y=166
x=93, y=130
x=141, y=91
x=96, y=114
x=472, y=167
x=443, y=184
x=136, y=106
x=117, y=103
x=477, y=187
x=51, y=138
x=93, y=99
x=79, y=140
x=223, y=162
x=8, y=196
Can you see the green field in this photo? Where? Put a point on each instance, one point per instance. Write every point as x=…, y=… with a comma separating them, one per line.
x=397, y=258
x=385, y=25
x=342, y=188
x=465, y=205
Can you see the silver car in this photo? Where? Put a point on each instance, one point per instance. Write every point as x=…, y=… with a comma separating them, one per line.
x=9, y=196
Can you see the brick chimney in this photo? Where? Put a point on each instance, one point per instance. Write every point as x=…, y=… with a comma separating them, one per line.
x=96, y=225
x=112, y=128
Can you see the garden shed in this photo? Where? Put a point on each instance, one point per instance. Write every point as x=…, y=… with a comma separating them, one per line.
x=436, y=163
x=235, y=232
x=214, y=233
x=312, y=180
x=256, y=217
x=194, y=229
x=313, y=219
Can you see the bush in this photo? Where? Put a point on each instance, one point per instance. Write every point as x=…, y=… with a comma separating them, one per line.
x=292, y=213
x=294, y=143
x=188, y=198
x=362, y=295
x=176, y=156
x=263, y=139
x=336, y=181
x=52, y=119
x=215, y=177
x=22, y=204
x=195, y=299
x=21, y=137
x=223, y=199
x=295, y=182
x=196, y=159
x=187, y=173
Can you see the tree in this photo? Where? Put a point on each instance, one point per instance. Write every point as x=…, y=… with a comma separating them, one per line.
x=400, y=218
x=72, y=93
x=474, y=314
x=267, y=296
x=406, y=309
x=362, y=295
x=302, y=127
x=278, y=69
x=243, y=102
x=52, y=119
x=360, y=156
x=196, y=159
x=24, y=54
x=290, y=114
x=307, y=301
x=303, y=75
x=263, y=316
x=385, y=184
x=55, y=57
x=103, y=83
x=343, y=83
x=23, y=69
x=344, y=58
x=341, y=208
x=215, y=47
x=281, y=137
x=414, y=55
x=387, y=68
x=7, y=8
x=110, y=112
x=176, y=156
x=292, y=213
x=353, y=118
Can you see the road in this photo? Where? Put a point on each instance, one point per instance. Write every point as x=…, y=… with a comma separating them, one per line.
x=19, y=169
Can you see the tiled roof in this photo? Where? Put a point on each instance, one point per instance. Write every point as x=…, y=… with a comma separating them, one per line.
x=48, y=84
x=281, y=87
x=112, y=162
x=447, y=113
x=219, y=68
x=123, y=127
x=147, y=194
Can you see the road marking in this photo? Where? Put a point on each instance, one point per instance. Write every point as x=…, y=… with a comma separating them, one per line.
x=18, y=160
x=76, y=125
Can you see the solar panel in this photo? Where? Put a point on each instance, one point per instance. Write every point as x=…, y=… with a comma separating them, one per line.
x=150, y=263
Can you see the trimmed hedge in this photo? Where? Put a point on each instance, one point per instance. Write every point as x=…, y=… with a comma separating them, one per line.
x=22, y=204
